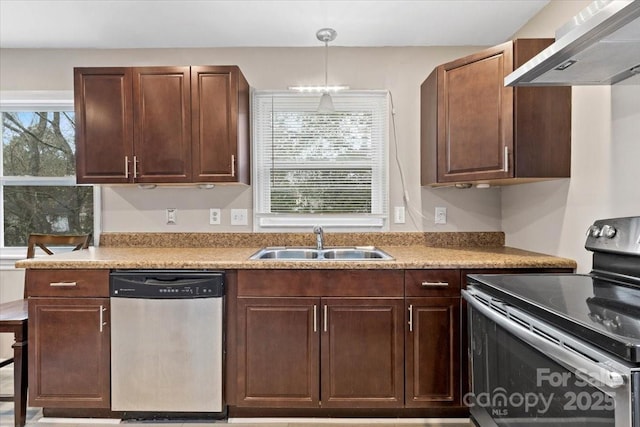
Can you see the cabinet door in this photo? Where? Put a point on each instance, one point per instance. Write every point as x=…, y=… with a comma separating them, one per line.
x=162, y=124
x=475, y=117
x=362, y=353
x=219, y=108
x=104, y=125
x=433, y=352
x=69, y=355
x=278, y=352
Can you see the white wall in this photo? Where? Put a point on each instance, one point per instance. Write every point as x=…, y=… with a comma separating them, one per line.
x=552, y=217
x=400, y=70
x=548, y=217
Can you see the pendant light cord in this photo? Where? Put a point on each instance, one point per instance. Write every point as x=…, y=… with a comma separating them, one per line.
x=326, y=65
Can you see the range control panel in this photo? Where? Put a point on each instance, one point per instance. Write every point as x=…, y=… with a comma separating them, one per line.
x=619, y=235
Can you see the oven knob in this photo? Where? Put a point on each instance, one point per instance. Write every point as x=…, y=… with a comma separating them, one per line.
x=593, y=231
x=610, y=324
x=595, y=317
x=608, y=231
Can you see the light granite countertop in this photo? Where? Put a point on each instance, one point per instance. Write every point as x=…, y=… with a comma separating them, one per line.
x=405, y=257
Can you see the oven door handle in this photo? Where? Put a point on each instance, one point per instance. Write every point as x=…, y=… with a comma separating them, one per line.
x=581, y=365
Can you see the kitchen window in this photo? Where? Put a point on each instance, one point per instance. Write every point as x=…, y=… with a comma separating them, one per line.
x=38, y=190
x=313, y=168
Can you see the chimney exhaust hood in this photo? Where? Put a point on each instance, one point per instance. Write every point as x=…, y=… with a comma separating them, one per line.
x=600, y=46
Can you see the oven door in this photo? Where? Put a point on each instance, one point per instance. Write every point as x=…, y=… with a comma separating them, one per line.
x=527, y=373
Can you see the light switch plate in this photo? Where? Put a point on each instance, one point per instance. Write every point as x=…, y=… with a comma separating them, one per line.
x=214, y=216
x=440, y=215
x=398, y=214
x=239, y=217
x=172, y=216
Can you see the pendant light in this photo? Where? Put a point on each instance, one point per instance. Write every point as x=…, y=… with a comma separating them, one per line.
x=326, y=35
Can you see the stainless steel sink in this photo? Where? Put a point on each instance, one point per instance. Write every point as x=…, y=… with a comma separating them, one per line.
x=286, y=253
x=357, y=253
x=354, y=254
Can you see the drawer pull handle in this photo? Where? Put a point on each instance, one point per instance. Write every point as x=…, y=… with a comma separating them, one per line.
x=435, y=284
x=63, y=284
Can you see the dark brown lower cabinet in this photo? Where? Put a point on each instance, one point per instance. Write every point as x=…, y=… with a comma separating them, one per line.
x=433, y=352
x=69, y=354
x=278, y=352
x=320, y=352
x=362, y=353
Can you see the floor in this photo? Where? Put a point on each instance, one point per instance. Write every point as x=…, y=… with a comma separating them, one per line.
x=35, y=419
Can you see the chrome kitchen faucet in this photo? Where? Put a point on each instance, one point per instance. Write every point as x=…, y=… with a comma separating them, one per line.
x=317, y=230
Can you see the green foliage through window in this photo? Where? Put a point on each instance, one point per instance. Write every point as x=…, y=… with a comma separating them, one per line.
x=317, y=164
x=39, y=194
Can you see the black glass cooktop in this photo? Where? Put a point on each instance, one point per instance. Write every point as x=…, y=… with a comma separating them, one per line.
x=601, y=312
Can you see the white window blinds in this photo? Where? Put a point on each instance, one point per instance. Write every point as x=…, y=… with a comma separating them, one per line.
x=324, y=168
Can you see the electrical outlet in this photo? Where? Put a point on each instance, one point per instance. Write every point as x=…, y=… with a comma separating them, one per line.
x=398, y=214
x=214, y=216
x=239, y=217
x=172, y=216
x=440, y=215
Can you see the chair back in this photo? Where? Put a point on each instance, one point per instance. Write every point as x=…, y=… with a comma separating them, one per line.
x=43, y=241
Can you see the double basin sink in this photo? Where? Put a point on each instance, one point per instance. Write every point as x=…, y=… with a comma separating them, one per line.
x=356, y=253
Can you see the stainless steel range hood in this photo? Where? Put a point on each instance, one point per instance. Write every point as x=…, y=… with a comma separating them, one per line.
x=600, y=46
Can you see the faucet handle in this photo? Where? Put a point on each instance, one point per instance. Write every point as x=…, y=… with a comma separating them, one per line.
x=317, y=229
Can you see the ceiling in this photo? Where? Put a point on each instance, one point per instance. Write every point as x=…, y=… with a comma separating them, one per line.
x=258, y=23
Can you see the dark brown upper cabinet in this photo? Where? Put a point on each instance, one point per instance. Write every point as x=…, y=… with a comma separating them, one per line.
x=103, y=99
x=220, y=124
x=476, y=130
x=162, y=125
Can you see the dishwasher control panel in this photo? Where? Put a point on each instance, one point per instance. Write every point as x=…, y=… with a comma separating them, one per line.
x=166, y=284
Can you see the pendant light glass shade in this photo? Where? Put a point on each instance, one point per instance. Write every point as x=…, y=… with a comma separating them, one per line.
x=326, y=104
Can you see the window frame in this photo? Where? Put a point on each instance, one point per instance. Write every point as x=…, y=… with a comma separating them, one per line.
x=11, y=101
x=274, y=222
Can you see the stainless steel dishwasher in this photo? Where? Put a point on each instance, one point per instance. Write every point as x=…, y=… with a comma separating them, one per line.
x=166, y=340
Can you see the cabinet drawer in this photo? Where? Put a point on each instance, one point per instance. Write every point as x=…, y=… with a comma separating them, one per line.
x=424, y=283
x=320, y=283
x=67, y=283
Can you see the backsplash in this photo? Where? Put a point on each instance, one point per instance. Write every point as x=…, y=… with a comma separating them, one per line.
x=231, y=240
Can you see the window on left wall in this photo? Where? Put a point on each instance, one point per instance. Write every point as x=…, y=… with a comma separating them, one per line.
x=38, y=190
